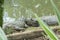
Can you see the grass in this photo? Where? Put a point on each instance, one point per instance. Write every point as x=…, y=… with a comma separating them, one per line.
x=2, y=35
x=56, y=11
x=46, y=28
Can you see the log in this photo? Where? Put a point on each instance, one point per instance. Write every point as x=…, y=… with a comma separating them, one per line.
x=29, y=34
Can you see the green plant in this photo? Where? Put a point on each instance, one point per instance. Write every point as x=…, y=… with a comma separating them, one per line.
x=47, y=30
x=56, y=10
x=1, y=12
x=45, y=27
x=2, y=35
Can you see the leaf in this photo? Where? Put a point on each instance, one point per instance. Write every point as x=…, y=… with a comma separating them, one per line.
x=47, y=30
x=56, y=10
x=2, y=35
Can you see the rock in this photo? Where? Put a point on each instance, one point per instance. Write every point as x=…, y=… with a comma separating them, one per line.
x=50, y=20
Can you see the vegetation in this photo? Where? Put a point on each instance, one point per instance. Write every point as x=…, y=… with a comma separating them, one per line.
x=47, y=30
x=44, y=26
x=1, y=12
x=56, y=10
x=2, y=34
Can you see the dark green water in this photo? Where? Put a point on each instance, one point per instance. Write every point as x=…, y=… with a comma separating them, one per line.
x=27, y=7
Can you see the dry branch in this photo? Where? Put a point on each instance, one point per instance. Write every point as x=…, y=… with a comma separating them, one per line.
x=29, y=34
